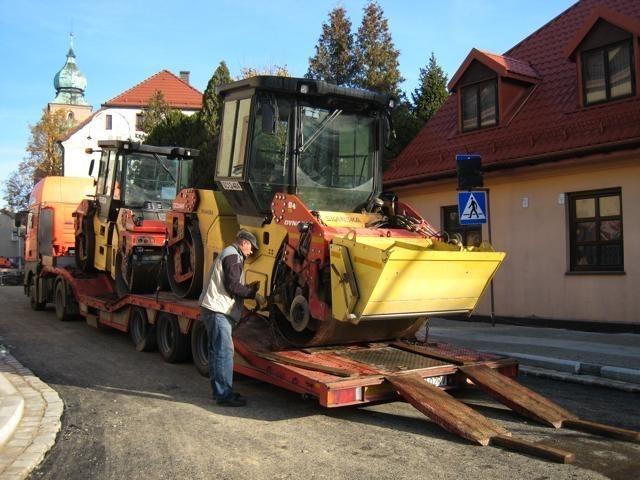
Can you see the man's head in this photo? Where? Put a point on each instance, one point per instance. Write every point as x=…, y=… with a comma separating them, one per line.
x=247, y=242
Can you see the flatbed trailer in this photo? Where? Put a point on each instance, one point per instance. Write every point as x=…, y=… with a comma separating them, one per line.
x=341, y=375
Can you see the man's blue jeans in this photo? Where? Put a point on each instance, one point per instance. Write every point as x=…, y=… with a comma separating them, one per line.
x=220, y=353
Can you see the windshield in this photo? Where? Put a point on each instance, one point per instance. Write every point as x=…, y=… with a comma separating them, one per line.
x=269, y=172
x=149, y=178
x=336, y=167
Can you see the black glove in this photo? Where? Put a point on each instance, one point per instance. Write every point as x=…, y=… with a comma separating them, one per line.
x=261, y=302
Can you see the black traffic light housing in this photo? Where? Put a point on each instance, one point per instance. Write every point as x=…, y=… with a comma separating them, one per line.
x=469, y=170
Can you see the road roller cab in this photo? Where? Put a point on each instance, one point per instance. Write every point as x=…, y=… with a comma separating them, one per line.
x=122, y=230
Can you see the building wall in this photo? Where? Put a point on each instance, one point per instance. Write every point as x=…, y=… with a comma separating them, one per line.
x=533, y=281
x=8, y=242
x=80, y=112
x=123, y=127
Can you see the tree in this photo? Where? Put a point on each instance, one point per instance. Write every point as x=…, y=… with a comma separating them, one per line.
x=431, y=92
x=44, y=158
x=210, y=119
x=45, y=154
x=334, y=61
x=211, y=105
x=276, y=70
x=154, y=112
x=376, y=56
x=18, y=187
x=406, y=125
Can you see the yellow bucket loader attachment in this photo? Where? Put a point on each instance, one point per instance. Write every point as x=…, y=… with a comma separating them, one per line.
x=378, y=278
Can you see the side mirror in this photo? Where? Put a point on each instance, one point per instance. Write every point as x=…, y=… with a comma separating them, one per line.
x=388, y=132
x=19, y=218
x=91, y=167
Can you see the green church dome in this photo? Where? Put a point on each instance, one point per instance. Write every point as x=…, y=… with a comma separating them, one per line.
x=69, y=82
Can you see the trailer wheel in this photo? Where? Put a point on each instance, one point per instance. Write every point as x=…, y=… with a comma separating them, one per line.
x=200, y=348
x=64, y=312
x=33, y=300
x=174, y=346
x=143, y=334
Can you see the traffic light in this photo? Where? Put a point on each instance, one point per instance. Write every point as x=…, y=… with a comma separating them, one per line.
x=469, y=170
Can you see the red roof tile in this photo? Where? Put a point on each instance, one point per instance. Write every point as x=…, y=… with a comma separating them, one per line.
x=550, y=125
x=177, y=93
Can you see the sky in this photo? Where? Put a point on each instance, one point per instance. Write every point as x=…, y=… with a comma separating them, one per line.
x=120, y=43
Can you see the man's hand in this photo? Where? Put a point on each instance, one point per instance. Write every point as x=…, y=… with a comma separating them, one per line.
x=255, y=286
x=261, y=302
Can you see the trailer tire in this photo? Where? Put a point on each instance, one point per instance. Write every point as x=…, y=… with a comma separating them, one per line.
x=200, y=348
x=174, y=346
x=142, y=333
x=33, y=300
x=63, y=311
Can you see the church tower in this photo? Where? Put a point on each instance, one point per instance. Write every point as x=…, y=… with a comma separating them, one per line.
x=70, y=84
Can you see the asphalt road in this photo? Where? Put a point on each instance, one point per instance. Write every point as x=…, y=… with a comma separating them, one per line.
x=130, y=415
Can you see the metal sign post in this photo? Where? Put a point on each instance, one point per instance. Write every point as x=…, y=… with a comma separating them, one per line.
x=473, y=201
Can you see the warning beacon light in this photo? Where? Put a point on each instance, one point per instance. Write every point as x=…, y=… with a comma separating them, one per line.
x=469, y=170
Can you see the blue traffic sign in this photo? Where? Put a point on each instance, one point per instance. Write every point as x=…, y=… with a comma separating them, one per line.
x=472, y=207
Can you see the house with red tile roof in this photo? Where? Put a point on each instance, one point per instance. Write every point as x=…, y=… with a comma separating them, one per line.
x=556, y=120
x=120, y=118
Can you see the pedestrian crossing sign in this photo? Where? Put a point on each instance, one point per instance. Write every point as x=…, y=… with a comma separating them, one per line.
x=472, y=207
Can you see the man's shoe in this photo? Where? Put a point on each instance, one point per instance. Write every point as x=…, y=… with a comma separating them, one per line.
x=236, y=401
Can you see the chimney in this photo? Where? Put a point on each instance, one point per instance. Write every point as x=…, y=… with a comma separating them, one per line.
x=184, y=76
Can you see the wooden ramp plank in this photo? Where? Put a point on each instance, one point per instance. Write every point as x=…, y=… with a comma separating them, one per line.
x=516, y=396
x=536, y=449
x=274, y=357
x=444, y=410
x=604, y=430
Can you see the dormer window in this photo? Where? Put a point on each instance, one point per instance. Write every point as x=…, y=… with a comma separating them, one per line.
x=490, y=89
x=479, y=105
x=607, y=72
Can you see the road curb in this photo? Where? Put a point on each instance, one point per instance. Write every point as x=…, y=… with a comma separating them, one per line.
x=607, y=376
x=620, y=373
x=11, y=409
x=581, y=379
x=38, y=424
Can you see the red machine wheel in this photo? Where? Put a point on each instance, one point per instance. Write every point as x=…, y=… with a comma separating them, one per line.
x=185, y=262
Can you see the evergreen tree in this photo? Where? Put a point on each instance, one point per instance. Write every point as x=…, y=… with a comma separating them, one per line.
x=211, y=105
x=334, y=61
x=154, y=112
x=431, y=92
x=210, y=120
x=377, y=57
x=406, y=125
